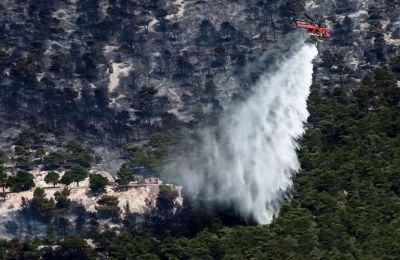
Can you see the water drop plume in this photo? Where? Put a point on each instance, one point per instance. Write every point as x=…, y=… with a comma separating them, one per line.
x=248, y=159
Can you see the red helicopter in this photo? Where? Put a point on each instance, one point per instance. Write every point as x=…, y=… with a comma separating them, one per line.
x=313, y=28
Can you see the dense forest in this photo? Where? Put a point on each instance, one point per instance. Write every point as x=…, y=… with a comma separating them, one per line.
x=95, y=93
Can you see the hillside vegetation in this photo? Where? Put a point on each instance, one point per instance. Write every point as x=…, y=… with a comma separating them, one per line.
x=345, y=206
x=95, y=94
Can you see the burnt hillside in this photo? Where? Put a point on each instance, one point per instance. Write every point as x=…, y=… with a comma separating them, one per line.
x=113, y=72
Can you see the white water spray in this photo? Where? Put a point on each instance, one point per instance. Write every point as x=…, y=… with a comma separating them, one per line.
x=250, y=161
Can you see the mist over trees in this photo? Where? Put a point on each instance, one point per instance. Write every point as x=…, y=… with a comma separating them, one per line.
x=344, y=204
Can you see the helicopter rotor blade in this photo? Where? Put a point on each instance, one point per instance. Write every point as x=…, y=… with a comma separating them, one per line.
x=317, y=21
x=309, y=18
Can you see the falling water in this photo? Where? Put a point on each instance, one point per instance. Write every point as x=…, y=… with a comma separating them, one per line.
x=250, y=160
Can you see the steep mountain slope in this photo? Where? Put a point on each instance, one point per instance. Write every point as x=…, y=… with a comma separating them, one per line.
x=112, y=73
x=80, y=66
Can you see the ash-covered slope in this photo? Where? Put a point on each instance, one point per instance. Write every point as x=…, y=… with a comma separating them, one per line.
x=365, y=35
x=112, y=70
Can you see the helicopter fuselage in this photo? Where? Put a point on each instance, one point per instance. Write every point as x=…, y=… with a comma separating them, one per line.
x=314, y=29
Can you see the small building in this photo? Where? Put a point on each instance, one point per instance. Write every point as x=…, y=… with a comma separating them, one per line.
x=149, y=181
